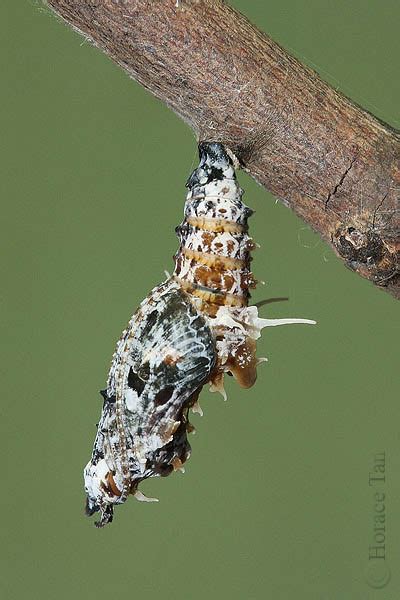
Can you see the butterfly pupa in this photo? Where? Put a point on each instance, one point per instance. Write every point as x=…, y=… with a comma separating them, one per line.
x=189, y=331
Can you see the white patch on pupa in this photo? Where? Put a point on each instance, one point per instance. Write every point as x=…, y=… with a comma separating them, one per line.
x=132, y=400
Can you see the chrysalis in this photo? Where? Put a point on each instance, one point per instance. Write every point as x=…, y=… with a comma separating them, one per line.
x=189, y=331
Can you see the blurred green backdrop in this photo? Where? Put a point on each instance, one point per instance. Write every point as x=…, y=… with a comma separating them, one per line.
x=275, y=502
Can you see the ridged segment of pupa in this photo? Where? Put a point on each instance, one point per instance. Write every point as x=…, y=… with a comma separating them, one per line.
x=213, y=261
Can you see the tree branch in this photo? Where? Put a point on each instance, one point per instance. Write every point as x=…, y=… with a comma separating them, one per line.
x=334, y=164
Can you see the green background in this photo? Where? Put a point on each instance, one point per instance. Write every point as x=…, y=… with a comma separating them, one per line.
x=275, y=502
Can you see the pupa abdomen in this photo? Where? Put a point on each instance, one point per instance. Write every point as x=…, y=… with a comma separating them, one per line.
x=213, y=261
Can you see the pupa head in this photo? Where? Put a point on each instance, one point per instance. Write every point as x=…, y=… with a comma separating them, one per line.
x=102, y=490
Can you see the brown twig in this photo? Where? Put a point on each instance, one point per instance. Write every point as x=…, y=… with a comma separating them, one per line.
x=334, y=164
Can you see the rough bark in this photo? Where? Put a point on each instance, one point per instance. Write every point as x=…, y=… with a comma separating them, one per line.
x=334, y=164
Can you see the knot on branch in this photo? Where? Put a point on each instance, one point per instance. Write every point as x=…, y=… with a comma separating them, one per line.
x=365, y=252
